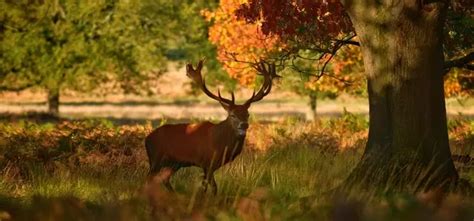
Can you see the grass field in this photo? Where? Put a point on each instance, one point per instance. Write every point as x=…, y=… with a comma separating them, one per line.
x=173, y=100
x=95, y=170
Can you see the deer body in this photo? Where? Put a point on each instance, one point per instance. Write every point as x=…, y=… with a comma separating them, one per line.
x=206, y=145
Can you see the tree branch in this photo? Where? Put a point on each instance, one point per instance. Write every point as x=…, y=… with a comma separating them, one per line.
x=337, y=46
x=469, y=67
x=348, y=42
x=462, y=62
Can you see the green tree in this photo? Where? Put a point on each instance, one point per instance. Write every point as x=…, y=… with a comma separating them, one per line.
x=77, y=45
x=187, y=35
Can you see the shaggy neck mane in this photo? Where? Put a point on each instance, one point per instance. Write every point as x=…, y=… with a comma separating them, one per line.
x=225, y=135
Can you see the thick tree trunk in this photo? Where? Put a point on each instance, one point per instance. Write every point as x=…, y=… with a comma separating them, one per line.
x=53, y=102
x=313, y=98
x=408, y=146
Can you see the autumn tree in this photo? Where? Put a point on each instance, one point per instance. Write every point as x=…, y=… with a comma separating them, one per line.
x=240, y=45
x=237, y=42
x=402, y=49
x=187, y=38
x=458, y=82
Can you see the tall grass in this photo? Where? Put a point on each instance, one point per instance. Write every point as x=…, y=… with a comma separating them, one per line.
x=91, y=170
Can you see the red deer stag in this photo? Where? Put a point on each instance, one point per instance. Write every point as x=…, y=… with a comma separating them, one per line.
x=206, y=145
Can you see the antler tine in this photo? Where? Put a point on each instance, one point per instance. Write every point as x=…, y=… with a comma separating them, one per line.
x=261, y=68
x=268, y=74
x=224, y=100
x=272, y=71
x=200, y=64
x=196, y=76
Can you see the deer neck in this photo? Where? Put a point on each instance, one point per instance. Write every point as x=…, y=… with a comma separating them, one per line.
x=225, y=129
x=226, y=137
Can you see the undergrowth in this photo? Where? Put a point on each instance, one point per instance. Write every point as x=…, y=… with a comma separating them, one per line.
x=94, y=170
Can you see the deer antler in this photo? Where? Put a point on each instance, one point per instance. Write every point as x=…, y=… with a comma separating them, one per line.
x=196, y=76
x=269, y=73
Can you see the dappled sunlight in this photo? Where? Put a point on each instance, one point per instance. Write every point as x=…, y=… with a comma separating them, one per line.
x=250, y=110
x=277, y=169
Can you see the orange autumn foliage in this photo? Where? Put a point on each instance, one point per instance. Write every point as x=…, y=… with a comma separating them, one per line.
x=237, y=41
x=240, y=42
x=345, y=75
x=349, y=63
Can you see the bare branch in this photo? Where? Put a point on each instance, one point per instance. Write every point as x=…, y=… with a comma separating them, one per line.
x=348, y=42
x=233, y=57
x=469, y=67
x=336, y=48
x=463, y=62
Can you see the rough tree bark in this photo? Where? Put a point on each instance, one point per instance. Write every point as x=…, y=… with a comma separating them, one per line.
x=408, y=146
x=53, y=101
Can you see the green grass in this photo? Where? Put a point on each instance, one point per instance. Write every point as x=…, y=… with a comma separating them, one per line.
x=281, y=180
x=285, y=175
x=292, y=179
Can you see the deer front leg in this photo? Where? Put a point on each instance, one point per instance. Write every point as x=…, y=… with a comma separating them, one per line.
x=209, y=180
x=213, y=184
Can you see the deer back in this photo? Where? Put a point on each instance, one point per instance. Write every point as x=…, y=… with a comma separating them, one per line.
x=189, y=143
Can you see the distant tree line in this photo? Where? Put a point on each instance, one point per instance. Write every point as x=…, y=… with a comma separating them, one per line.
x=80, y=45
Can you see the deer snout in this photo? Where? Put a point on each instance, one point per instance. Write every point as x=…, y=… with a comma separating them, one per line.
x=243, y=125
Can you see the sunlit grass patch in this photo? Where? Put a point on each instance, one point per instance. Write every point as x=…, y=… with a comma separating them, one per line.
x=93, y=170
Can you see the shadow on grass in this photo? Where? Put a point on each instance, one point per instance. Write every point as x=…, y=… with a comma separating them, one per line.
x=176, y=102
x=118, y=104
x=69, y=208
x=43, y=117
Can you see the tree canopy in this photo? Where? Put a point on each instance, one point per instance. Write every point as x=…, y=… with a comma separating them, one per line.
x=96, y=46
x=306, y=35
x=77, y=45
x=407, y=48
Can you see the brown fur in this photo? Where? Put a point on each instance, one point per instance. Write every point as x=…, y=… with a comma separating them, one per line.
x=206, y=145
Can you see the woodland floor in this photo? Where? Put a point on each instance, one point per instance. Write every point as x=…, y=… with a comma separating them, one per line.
x=96, y=170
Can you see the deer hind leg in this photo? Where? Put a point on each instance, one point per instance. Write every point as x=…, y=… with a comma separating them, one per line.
x=165, y=174
x=167, y=181
x=162, y=174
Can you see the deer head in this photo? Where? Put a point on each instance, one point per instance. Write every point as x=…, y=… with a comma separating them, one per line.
x=238, y=114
